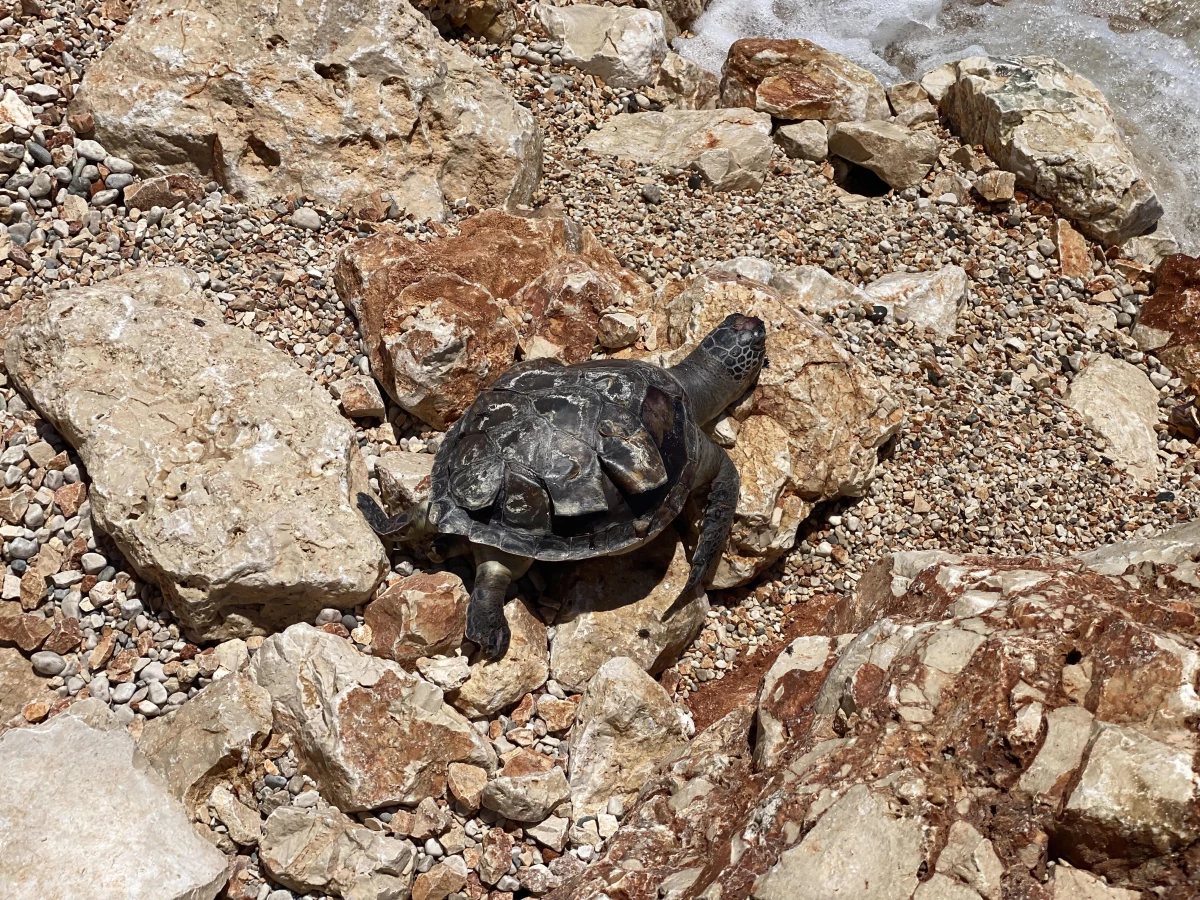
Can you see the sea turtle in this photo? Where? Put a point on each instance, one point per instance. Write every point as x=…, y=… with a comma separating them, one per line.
x=557, y=462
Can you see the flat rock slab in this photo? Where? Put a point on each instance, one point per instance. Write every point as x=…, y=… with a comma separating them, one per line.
x=221, y=470
x=1117, y=400
x=1054, y=130
x=730, y=148
x=338, y=101
x=115, y=833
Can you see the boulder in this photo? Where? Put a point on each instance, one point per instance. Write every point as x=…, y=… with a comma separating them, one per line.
x=898, y=155
x=680, y=83
x=729, y=148
x=421, y=615
x=804, y=140
x=19, y=684
x=365, y=731
x=441, y=320
x=493, y=686
x=529, y=797
x=129, y=837
x=828, y=416
x=223, y=473
x=623, y=607
x=860, y=846
x=1055, y=131
x=1117, y=400
x=930, y=300
x=209, y=739
x=815, y=291
x=337, y=102
x=625, y=726
x=796, y=79
x=886, y=708
x=322, y=850
x=1169, y=323
x=619, y=44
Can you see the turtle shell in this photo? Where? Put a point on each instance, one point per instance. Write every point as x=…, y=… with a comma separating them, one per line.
x=562, y=462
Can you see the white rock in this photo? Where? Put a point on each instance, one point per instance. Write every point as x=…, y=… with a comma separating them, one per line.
x=816, y=291
x=1117, y=401
x=931, y=300
x=622, y=45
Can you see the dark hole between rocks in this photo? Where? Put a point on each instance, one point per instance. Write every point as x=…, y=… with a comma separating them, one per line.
x=269, y=157
x=1074, y=657
x=857, y=180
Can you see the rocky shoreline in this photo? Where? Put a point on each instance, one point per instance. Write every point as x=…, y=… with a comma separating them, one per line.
x=970, y=386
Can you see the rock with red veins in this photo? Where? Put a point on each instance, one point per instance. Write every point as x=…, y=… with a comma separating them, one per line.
x=418, y=616
x=367, y=732
x=1169, y=323
x=796, y=79
x=948, y=734
x=442, y=320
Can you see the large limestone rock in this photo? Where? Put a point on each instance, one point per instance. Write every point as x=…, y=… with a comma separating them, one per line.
x=625, y=726
x=1117, y=400
x=900, y=156
x=796, y=79
x=367, y=732
x=812, y=426
x=623, y=606
x=1169, y=323
x=729, y=148
x=621, y=45
x=323, y=851
x=341, y=102
x=442, y=320
x=208, y=740
x=493, y=686
x=129, y=837
x=1054, y=130
x=1074, y=679
x=223, y=473
x=421, y=615
x=930, y=300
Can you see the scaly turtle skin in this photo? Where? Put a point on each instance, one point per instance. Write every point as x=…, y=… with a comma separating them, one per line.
x=557, y=462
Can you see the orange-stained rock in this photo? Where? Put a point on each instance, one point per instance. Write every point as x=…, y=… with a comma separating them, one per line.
x=162, y=190
x=421, y=615
x=18, y=627
x=367, y=732
x=496, y=857
x=466, y=783
x=796, y=79
x=1169, y=324
x=441, y=320
x=1074, y=260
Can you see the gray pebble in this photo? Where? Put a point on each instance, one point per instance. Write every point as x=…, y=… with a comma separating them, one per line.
x=306, y=217
x=118, y=165
x=148, y=709
x=91, y=151
x=329, y=616
x=123, y=693
x=22, y=548
x=105, y=198
x=48, y=663
x=93, y=563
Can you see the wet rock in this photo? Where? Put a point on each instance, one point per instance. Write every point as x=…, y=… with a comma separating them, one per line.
x=930, y=300
x=323, y=850
x=1117, y=400
x=418, y=616
x=208, y=739
x=796, y=79
x=626, y=725
x=623, y=610
x=129, y=837
x=730, y=149
x=124, y=370
x=1054, y=130
x=376, y=100
x=898, y=155
x=442, y=320
x=833, y=413
x=622, y=45
x=494, y=686
x=368, y=733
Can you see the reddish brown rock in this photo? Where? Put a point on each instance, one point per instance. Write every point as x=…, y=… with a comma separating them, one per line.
x=796, y=79
x=443, y=319
x=466, y=783
x=65, y=635
x=497, y=856
x=1169, y=323
x=935, y=750
x=162, y=190
x=421, y=615
x=19, y=684
x=70, y=497
x=18, y=628
x=1074, y=260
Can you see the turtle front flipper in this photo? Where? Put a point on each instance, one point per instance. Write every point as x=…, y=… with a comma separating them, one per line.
x=409, y=525
x=718, y=514
x=486, y=625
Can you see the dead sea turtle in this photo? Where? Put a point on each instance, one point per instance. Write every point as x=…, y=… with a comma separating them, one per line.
x=557, y=462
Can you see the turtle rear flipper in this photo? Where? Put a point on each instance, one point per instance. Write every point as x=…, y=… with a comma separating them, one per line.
x=724, y=484
x=408, y=525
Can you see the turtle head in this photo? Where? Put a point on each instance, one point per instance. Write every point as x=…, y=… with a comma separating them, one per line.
x=724, y=366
